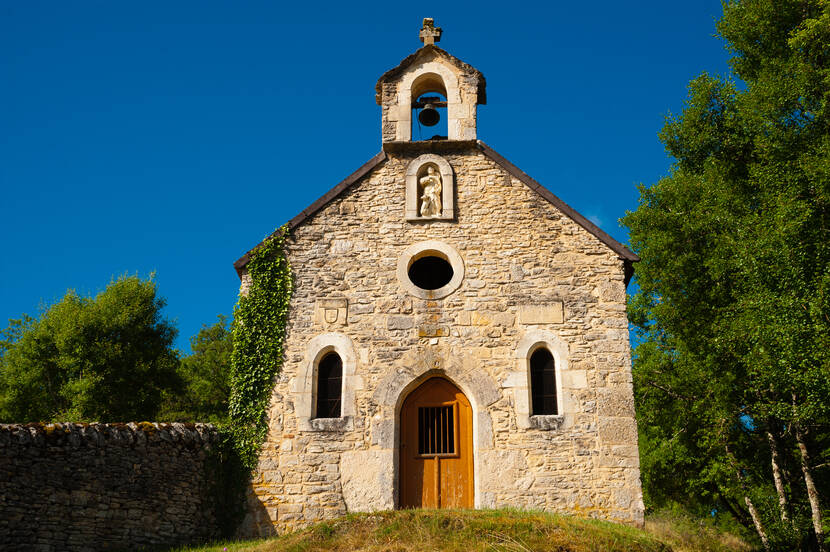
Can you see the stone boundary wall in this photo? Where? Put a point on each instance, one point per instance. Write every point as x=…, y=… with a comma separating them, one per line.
x=85, y=487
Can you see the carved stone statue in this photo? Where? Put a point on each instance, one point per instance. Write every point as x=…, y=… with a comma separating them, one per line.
x=431, y=196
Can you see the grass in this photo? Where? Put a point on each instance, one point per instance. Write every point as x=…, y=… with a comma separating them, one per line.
x=487, y=530
x=685, y=534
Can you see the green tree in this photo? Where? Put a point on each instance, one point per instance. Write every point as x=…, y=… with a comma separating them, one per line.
x=732, y=373
x=206, y=377
x=107, y=358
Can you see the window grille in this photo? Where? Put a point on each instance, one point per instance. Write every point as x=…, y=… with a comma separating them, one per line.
x=436, y=430
x=543, y=382
x=329, y=388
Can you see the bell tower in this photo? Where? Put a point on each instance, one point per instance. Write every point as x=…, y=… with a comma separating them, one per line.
x=417, y=85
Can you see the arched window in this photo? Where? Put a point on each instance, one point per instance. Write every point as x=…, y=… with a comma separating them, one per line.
x=329, y=386
x=543, y=382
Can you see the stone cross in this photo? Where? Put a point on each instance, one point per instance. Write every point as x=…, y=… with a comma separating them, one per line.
x=430, y=34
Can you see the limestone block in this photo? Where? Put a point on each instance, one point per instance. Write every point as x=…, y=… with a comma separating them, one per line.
x=574, y=379
x=367, y=480
x=611, y=292
x=483, y=388
x=541, y=314
x=614, y=431
x=619, y=456
x=458, y=111
x=394, y=114
x=388, y=392
x=485, y=430
x=399, y=322
x=344, y=423
x=383, y=431
x=521, y=400
x=480, y=319
x=546, y=422
x=615, y=402
x=501, y=468
x=515, y=379
x=433, y=330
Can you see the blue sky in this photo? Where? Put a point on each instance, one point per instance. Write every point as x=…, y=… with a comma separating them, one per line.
x=171, y=137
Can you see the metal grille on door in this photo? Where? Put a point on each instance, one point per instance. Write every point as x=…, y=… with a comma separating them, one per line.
x=436, y=430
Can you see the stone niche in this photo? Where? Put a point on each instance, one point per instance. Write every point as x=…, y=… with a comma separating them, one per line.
x=430, y=189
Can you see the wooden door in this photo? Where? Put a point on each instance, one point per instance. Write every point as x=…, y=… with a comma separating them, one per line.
x=436, y=452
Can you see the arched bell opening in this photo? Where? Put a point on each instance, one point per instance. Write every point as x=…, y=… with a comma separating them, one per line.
x=429, y=108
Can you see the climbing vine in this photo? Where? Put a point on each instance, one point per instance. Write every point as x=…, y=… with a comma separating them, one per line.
x=259, y=322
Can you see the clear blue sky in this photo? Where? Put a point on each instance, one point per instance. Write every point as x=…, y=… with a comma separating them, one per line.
x=173, y=136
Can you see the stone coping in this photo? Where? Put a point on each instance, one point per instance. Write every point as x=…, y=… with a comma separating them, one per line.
x=129, y=434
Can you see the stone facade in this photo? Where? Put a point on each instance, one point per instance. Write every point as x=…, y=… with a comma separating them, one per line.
x=533, y=273
x=79, y=487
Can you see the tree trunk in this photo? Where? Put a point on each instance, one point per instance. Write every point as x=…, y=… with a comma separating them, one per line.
x=756, y=520
x=812, y=492
x=783, y=506
x=753, y=513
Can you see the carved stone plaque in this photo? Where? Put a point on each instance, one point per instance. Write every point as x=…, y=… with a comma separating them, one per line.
x=332, y=312
x=551, y=313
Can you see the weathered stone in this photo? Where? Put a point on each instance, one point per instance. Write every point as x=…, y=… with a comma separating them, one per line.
x=433, y=330
x=120, y=478
x=546, y=422
x=617, y=401
x=400, y=322
x=367, y=483
x=541, y=314
x=618, y=430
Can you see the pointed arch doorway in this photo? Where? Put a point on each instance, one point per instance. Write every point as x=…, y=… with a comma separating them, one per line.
x=436, y=448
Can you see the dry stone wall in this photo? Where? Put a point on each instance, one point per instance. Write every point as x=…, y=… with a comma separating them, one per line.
x=92, y=487
x=519, y=253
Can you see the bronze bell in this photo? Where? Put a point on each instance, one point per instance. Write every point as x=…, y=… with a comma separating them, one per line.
x=429, y=116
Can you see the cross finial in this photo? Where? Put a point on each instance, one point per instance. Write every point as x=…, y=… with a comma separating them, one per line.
x=430, y=34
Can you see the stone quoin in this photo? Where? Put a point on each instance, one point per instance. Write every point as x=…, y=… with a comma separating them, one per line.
x=474, y=348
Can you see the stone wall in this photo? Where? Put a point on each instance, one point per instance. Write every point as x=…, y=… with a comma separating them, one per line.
x=90, y=487
x=529, y=271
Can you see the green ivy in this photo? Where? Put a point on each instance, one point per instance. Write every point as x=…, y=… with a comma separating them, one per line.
x=259, y=322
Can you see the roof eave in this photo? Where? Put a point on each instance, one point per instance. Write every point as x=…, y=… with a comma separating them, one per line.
x=624, y=253
x=396, y=71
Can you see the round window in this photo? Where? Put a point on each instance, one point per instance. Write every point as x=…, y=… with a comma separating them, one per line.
x=430, y=269
x=430, y=272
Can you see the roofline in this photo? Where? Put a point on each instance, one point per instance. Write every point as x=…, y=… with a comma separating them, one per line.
x=625, y=254
x=396, y=71
x=592, y=228
x=347, y=182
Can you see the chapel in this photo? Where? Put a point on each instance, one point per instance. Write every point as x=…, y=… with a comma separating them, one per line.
x=457, y=334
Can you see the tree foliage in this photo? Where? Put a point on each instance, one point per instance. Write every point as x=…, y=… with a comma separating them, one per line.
x=107, y=358
x=206, y=378
x=733, y=307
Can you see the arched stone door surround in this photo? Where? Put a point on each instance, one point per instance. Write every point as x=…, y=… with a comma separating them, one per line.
x=416, y=367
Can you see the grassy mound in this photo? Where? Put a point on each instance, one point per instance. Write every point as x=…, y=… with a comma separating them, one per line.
x=455, y=530
x=687, y=534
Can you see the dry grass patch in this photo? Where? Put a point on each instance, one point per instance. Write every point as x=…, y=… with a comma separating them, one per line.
x=688, y=535
x=455, y=531
x=492, y=531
